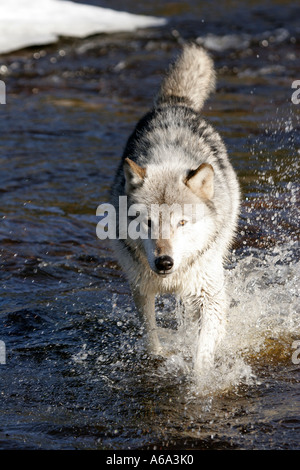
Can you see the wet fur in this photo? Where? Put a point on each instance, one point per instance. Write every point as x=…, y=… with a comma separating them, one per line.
x=175, y=157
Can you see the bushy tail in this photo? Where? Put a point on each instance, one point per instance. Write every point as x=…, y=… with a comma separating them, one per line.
x=190, y=79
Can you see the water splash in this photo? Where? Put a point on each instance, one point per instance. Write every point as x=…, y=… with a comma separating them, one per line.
x=263, y=322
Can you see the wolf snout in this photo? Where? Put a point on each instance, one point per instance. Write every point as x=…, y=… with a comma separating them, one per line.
x=164, y=263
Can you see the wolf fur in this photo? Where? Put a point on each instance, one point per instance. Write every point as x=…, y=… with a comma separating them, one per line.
x=175, y=157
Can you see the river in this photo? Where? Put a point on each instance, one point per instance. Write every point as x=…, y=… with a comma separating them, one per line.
x=74, y=373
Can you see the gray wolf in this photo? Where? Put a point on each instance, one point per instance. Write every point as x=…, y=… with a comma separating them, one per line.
x=175, y=159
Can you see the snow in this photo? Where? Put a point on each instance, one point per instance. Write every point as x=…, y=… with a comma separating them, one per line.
x=26, y=23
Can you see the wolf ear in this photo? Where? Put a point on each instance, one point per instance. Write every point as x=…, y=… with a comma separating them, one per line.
x=134, y=174
x=201, y=181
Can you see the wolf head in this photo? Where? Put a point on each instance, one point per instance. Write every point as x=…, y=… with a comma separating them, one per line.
x=176, y=212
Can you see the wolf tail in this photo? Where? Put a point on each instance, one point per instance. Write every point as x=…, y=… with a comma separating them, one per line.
x=190, y=79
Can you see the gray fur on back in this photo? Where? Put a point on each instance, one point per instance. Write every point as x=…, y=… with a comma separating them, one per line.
x=174, y=135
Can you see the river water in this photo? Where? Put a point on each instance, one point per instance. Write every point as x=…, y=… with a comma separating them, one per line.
x=74, y=372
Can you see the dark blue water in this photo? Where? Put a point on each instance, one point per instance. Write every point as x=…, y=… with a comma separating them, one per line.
x=76, y=375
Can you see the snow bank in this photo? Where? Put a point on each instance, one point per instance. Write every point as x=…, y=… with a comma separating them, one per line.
x=26, y=23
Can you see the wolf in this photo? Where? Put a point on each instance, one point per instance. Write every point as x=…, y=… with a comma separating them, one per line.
x=174, y=159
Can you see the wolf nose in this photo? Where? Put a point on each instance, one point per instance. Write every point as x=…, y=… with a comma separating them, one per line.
x=164, y=263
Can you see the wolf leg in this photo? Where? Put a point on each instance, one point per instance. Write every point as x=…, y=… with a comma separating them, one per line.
x=211, y=331
x=145, y=305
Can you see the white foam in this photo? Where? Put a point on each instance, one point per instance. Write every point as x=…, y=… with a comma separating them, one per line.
x=263, y=322
x=263, y=327
x=26, y=23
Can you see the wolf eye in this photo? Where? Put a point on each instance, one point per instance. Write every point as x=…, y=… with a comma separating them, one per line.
x=181, y=223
